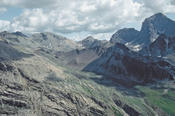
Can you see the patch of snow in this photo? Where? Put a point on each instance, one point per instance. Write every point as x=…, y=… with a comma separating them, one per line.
x=135, y=48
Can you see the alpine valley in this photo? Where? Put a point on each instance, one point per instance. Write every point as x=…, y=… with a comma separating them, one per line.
x=44, y=74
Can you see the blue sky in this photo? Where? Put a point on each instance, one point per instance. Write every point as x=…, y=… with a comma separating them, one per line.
x=171, y=15
x=79, y=18
x=11, y=13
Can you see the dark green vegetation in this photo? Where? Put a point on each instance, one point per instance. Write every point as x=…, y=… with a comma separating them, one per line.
x=160, y=97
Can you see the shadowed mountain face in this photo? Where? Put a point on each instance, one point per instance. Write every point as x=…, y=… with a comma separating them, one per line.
x=152, y=27
x=161, y=47
x=119, y=62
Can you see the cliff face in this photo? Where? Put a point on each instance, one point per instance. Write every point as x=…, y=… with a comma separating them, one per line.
x=120, y=61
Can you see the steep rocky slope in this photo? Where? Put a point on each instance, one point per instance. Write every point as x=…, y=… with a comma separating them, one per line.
x=120, y=62
x=79, y=59
x=161, y=47
x=33, y=85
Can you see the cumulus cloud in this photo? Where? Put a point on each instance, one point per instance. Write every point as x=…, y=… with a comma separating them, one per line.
x=166, y=6
x=4, y=25
x=95, y=16
x=75, y=16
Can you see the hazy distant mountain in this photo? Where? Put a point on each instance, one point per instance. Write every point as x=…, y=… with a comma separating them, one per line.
x=151, y=28
x=54, y=42
x=19, y=39
x=91, y=42
x=14, y=37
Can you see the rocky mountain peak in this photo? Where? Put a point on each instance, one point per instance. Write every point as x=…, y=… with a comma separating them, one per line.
x=156, y=25
x=156, y=17
x=157, y=21
x=91, y=42
x=152, y=27
x=124, y=35
x=89, y=38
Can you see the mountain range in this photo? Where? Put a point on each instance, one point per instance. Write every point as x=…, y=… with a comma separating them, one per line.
x=50, y=75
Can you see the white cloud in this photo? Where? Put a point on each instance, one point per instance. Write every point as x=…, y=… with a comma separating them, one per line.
x=30, y=20
x=76, y=16
x=4, y=25
x=94, y=16
x=165, y=6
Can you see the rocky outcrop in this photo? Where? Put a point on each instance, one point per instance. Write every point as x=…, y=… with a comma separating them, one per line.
x=6, y=67
x=128, y=109
x=30, y=96
x=15, y=103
